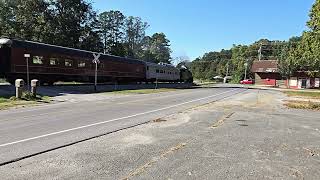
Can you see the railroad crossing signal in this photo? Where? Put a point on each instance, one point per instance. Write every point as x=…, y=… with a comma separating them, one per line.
x=96, y=61
x=96, y=58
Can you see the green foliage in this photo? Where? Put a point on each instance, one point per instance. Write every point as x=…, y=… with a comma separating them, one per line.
x=314, y=22
x=304, y=53
x=75, y=24
x=156, y=48
x=134, y=30
x=110, y=27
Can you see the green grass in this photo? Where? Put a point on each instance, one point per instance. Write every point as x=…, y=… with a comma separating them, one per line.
x=143, y=91
x=204, y=82
x=3, y=81
x=304, y=94
x=7, y=102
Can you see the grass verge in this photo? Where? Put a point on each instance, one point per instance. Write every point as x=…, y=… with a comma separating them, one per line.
x=143, y=91
x=304, y=94
x=68, y=83
x=3, y=80
x=303, y=105
x=7, y=102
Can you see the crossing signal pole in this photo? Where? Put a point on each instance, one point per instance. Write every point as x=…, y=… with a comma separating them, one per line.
x=96, y=61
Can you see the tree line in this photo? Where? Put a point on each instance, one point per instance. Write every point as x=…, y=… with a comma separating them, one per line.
x=232, y=62
x=296, y=54
x=75, y=24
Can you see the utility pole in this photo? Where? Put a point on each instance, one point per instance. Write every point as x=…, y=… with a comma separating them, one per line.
x=227, y=74
x=245, y=71
x=156, y=87
x=260, y=52
x=27, y=56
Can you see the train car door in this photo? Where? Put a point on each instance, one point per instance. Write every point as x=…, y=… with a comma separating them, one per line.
x=4, y=60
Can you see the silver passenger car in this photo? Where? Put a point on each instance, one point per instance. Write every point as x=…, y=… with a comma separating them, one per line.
x=162, y=72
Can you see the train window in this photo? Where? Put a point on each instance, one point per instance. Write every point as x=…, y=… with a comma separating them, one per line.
x=68, y=63
x=81, y=64
x=37, y=60
x=54, y=61
x=147, y=68
x=157, y=71
x=101, y=66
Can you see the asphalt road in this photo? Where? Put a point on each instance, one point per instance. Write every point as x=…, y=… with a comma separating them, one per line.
x=29, y=131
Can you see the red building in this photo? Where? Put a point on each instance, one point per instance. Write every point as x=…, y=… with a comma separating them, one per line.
x=266, y=73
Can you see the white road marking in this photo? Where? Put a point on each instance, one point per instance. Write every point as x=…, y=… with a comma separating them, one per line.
x=112, y=120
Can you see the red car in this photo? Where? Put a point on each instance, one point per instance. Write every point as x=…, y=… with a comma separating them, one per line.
x=247, y=81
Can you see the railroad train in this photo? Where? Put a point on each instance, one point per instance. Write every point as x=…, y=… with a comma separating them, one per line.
x=50, y=63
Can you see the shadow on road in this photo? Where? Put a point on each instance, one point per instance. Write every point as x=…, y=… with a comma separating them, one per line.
x=60, y=90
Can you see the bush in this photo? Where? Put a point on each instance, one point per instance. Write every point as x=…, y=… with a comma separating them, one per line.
x=13, y=98
x=28, y=96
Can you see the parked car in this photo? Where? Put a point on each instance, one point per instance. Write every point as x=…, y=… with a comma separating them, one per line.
x=247, y=81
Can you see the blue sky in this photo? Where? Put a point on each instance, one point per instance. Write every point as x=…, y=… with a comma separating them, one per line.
x=195, y=27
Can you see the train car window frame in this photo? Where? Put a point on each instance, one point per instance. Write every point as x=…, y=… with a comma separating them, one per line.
x=68, y=62
x=81, y=64
x=55, y=60
x=101, y=66
x=37, y=60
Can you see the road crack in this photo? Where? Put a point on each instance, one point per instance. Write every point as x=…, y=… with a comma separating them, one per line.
x=222, y=120
x=149, y=164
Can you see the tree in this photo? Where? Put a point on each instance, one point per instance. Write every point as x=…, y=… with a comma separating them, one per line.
x=134, y=29
x=288, y=62
x=69, y=23
x=111, y=29
x=311, y=40
x=73, y=19
x=182, y=61
x=306, y=54
x=156, y=49
x=75, y=24
x=314, y=22
x=25, y=19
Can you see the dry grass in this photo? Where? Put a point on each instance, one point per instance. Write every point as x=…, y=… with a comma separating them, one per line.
x=144, y=91
x=11, y=102
x=315, y=95
x=6, y=103
x=159, y=120
x=303, y=105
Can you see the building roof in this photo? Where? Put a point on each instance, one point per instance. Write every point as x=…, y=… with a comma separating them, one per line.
x=265, y=66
